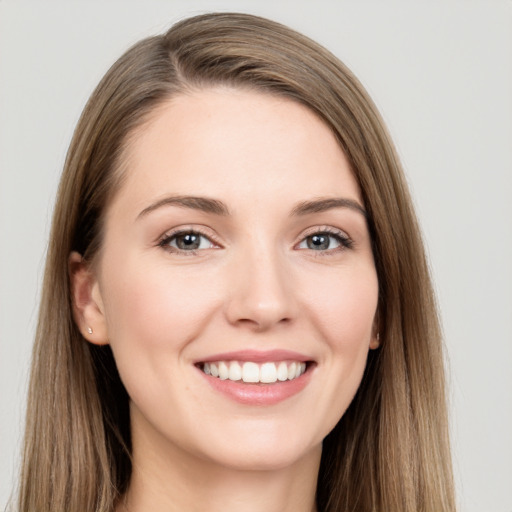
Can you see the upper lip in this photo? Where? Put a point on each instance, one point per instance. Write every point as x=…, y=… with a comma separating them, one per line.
x=257, y=356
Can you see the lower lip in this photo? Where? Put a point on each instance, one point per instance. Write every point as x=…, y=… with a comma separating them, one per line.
x=259, y=394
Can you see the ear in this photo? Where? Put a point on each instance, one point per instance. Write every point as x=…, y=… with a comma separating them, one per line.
x=88, y=310
x=375, y=341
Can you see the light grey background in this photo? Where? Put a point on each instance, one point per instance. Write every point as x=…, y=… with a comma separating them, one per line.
x=441, y=73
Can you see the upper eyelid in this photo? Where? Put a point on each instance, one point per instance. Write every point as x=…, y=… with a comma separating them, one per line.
x=344, y=238
x=164, y=242
x=200, y=230
x=331, y=230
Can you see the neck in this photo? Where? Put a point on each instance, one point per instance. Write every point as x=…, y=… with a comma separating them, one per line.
x=177, y=481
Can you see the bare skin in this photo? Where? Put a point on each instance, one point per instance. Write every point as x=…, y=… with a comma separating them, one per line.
x=164, y=485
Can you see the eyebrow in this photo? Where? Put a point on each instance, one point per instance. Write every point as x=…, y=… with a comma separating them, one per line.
x=217, y=207
x=203, y=204
x=324, y=204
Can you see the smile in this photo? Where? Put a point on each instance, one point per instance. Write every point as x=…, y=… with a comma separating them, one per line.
x=257, y=378
x=254, y=373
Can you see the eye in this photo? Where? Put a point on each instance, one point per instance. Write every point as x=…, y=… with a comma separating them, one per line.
x=325, y=241
x=186, y=241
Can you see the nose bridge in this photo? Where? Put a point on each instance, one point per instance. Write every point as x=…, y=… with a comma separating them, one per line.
x=262, y=294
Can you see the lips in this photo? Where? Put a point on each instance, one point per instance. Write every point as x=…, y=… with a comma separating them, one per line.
x=257, y=378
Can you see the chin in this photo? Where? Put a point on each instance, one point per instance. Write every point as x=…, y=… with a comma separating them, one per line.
x=249, y=460
x=263, y=452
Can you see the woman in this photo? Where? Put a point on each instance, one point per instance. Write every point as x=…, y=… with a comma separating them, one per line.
x=236, y=310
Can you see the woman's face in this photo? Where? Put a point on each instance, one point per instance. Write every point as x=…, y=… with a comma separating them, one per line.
x=236, y=282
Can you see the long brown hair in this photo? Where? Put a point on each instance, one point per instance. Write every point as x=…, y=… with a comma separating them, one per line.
x=390, y=450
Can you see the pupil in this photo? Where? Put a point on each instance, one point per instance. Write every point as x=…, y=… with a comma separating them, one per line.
x=188, y=241
x=318, y=242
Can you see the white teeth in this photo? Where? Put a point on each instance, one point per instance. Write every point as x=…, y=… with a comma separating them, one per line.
x=235, y=371
x=282, y=371
x=292, y=370
x=223, y=370
x=268, y=373
x=250, y=372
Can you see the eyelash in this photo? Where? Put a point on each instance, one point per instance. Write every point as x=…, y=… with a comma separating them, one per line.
x=344, y=241
x=169, y=237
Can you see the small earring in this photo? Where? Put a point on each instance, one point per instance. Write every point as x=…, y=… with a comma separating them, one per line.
x=89, y=330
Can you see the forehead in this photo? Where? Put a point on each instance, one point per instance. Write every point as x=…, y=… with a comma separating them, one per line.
x=236, y=144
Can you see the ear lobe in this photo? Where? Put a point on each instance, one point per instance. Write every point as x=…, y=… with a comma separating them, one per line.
x=88, y=308
x=375, y=341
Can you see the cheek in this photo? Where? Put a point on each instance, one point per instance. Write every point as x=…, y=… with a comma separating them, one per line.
x=343, y=312
x=344, y=307
x=153, y=309
x=154, y=314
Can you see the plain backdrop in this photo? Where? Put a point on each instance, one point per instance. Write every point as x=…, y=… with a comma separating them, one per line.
x=441, y=74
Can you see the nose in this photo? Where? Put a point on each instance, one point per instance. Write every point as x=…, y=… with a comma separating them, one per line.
x=261, y=294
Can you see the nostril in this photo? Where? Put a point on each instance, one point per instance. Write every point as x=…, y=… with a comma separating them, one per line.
x=262, y=323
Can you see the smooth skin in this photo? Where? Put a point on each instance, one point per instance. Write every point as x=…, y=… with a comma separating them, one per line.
x=254, y=266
